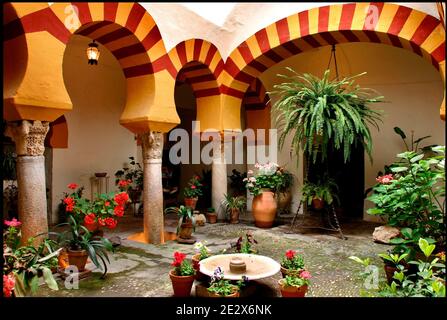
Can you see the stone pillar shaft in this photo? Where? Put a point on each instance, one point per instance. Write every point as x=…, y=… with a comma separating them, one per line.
x=29, y=137
x=219, y=179
x=152, y=144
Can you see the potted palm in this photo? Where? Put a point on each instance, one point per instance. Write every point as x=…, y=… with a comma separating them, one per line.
x=192, y=192
x=186, y=223
x=233, y=207
x=182, y=276
x=319, y=194
x=295, y=286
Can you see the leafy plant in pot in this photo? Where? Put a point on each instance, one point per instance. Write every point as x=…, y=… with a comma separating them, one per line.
x=186, y=223
x=192, y=192
x=82, y=244
x=319, y=194
x=202, y=252
x=219, y=287
x=394, y=262
x=295, y=286
x=211, y=215
x=130, y=179
x=292, y=263
x=233, y=207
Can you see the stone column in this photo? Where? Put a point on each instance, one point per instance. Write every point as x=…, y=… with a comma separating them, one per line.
x=29, y=137
x=219, y=178
x=152, y=144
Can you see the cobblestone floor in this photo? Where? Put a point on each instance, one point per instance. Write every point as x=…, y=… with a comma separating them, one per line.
x=141, y=270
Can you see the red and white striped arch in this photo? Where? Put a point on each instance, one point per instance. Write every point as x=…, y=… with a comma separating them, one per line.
x=378, y=22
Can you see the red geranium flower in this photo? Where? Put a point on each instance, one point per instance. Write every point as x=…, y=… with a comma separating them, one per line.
x=386, y=179
x=107, y=203
x=121, y=198
x=72, y=186
x=290, y=254
x=101, y=222
x=178, y=259
x=119, y=211
x=69, y=202
x=90, y=218
x=111, y=223
x=123, y=183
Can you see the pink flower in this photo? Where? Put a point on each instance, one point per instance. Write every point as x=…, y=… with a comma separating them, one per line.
x=13, y=223
x=193, y=187
x=250, y=172
x=8, y=285
x=386, y=179
x=72, y=186
x=305, y=274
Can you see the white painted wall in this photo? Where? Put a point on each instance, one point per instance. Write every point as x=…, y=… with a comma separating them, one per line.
x=96, y=140
x=411, y=86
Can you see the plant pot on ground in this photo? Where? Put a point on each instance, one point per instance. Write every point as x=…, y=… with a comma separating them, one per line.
x=182, y=276
x=292, y=263
x=221, y=288
x=233, y=207
x=295, y=286
x=202, y=252
x=186, y=223
x=211, y=215
x=321, y=193
x=264, y=209
x=393, y=262
x=192, y=192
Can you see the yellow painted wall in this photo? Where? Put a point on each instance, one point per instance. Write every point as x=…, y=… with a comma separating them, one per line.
x=97, y=142
x=412, y=87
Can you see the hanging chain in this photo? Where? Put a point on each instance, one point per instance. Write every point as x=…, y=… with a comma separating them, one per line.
x=335, y=61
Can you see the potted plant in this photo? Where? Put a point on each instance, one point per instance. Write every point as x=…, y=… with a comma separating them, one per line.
x=233, y=207
x=219, y=287
x=319, y=194
x=211, y=215
x=295, y=286
x=245, y=244
x=192, y=192
x=182, y=276
x=263, y=186
x=186, y=223
x=81, y=244
x=292, y=263
x=130, y=179
x=202, y=252
x=25, y=265
x=284, y=195
x=393, y=262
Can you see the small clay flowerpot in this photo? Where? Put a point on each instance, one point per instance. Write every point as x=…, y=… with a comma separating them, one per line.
x=191, y=202
x=196, y=265
x=77, y=258
x=181, y=284
x=212, y=217
x=234, y=216
x=289, y=272
x=291, y=291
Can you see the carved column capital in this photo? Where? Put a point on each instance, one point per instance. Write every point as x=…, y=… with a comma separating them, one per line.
x=29, y=136
x=152, y=143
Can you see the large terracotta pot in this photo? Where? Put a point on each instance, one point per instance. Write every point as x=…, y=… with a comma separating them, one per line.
x=292, y=292
x=289, y=272
x=191, y=202
x=264, y=209
x=284, y=201
x=77, y=258
x=234, y=216
x=181, y=284
x=185, y=230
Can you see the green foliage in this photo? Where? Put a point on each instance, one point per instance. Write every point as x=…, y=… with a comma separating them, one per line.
x=186, y=269
x=294, y=281
x=413, y=198
x=325, y=190
x=184, y=213
x=9, y=164
x=194, y=188
x=293, y=262
x=320, y=112
x=229, y=203
x=286, y=180
x=220, y=286
x=132, y=174
x=393, y=259
x=267, y=177
x=245, y=244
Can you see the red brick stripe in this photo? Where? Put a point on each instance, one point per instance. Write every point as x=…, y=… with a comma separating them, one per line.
x=114, y=35
x=181, y=51
x=207, y=92
x=95, y=26
x=45, y=20
x=399, y=20
x=84, y=12
x=219, y=68
x=425, y=28
x=347, y=14
x=152, y=38
x=210, y=55
x=323, y=18
x=245, y=52
x=231, y=92
x=136, y=14
x=291, y=47
x=139, y=70
x=263, y=41
x=282, y=28
x=199, y=79
x=258, y=66
x=439, y=53
x=110, y=9
x=304, y=23
x=312, y=41
x=197, y=47
x=129, y=51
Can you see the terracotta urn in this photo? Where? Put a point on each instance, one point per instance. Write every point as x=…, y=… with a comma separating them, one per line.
x=291, y=291
x=77, y=258
x=181, y=284
x=264, y=209
x=235, y=294
x=191, y=202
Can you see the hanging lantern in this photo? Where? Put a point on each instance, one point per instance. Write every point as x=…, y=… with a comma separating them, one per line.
x=93, y=53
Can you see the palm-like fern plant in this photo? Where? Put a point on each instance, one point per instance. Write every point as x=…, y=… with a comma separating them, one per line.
x=320, y=113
